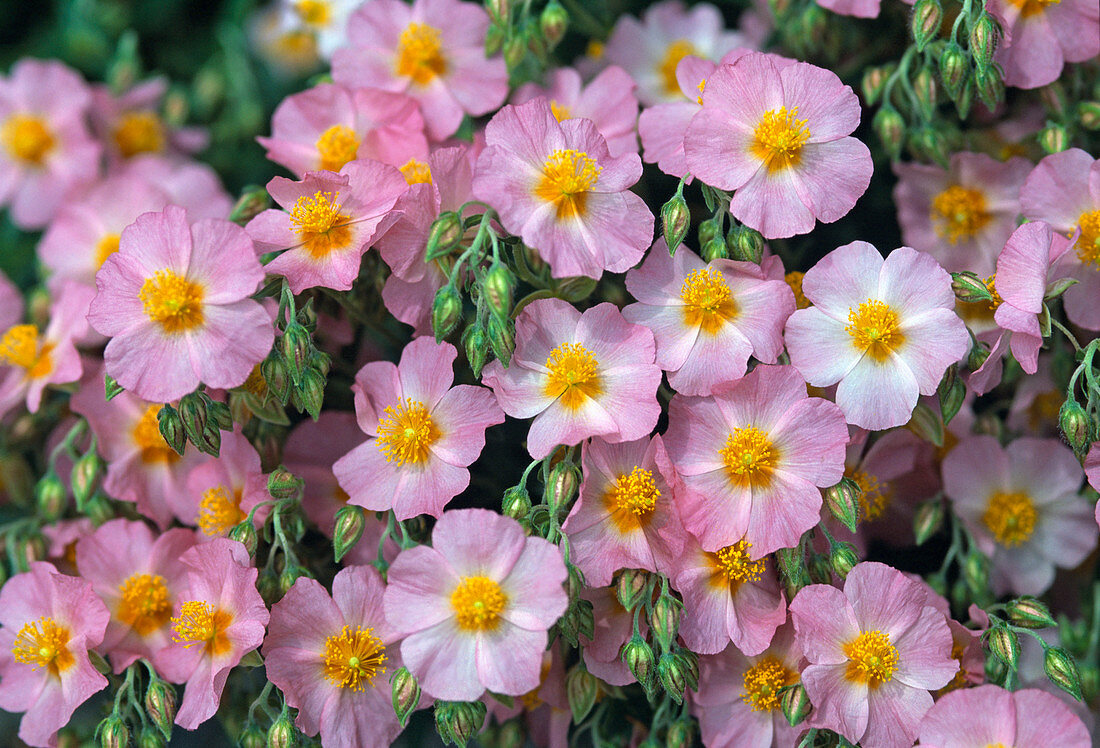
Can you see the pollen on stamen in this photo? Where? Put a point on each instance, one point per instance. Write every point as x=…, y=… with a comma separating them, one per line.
x=147, y=438
x=573, y=376
x=959, y=213
x=28, y=138
x=145, y=604
x=173, y=301
x=708, y=301
x=1010, y=518
x=336, y=147
x=635, y=494
x=320, y=223
x=406, y=432
x=20, y=346
x=872, y=659
x=567, y=177
x=674, y=52
x=779, y=138
x=1088, y=243
x=219, y=511
x=354, y=658
x=43, y=643
x=477, y=603
x=732, y=566
x=417, y=172
x=763, y=682
x=749, y=457
x=420, y=54
x=202, y=623
x=139, y=132
x=875, y=329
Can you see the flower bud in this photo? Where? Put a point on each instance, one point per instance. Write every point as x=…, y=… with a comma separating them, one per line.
x=843, y=502
x=750, y=245
x=928, y=520
x=1088, y=114
x=502, y=338
x=930, y=143
x=965, y=99
x=50, y=496
x=990, y=87
x=631, y=588
x=975, y=569
x=98, y=509
x=681, y=734
x=675, y=221
x=1005, y=645
x=715, y=249
x=515, y=49
x=405, y=693
x=311, y=391
x=296, y=345
x=927, y=424
x=821, y=571
x=498, y=9
x=350, y=521
x=578, y=622
x=561, y=486
x=476, y=346
x=795, y=704
x=874, y=81
x=664, y=620
x=1029, y=613
x=494, y=39
x=925, y=24
x=282, y=484
x=253, y=201
x=983, y=40
x=499, y=287
x=511, y=735
x=446, y=311
x=1053, y=138
x=553, y=23
x=575, y=288
x=443, y=236
x=842, y=558
x=1074, y=422
x=1062, y=671
x=86, y=475
x=160, y=706
x=252, y=737
x=290, y=575
x=149, y=738
x=890, y=128
x=581, y=688
x=245, y=534
x=670, y=673
x=708, y=229
x=171, y=428
x=924, y=86
x=516, y=503
x=954, y=69
x=113, y=732
x=458, y=721
x=275, y=374
x=951, y=393
x=637, y=656
x=282, y=733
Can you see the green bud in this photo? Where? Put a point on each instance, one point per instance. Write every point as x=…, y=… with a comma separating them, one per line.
x=1062, y=671
x=296, y=345
x=98, y=509
x=245, y=534
x=111, y=388
x=929, y=142
x=1053, y=138
x=282, y=484
x=516, y=503
x=924, y=86
x=578, y=622
x=951, y=393
x=675, y=221
x=671, y=675
x=631, y=588
x=499, y=288
x=715, y=249
x=954, y=69
x=965, y=99
x=494, y=39
x=171, y=428
x=890, y=128
x=253, y=201
x=502, y=338
x=977, y=356
x=791, y=570
x=1005, y=645
x=405, y=693
x=1029, y=613
x=511, y=735
x=498, y=9
x=275, y=374
x=750, y=245
x=843, y=502
x=574, y=288
x=1074, y=422
x=708, y=229
x=350, y=521
x=928, y=520
x=553, y=22
x=975, y=569
x=637, y=656
x=990, y=87
x=927, y=424
x=983, y=40
x=874, y=82
x=842, y=558
x=252, y=737
x=925, y=23
x=561, y=486
x=50, y=496
x=821, y=571
x=795, y=704
x=446, y=311
x=86, y=476
x=219, y=414
x=515, y=49
x=150, y=738
x=282, y=733
x=311, y=391
x=581, y=688
x=288, y=576
x=681, y=734
x=1058, y=287
x=443, y=236
x=113, y=732
x=458, y=721
x=160, y=706
x=1088, y=114
x=664, y=620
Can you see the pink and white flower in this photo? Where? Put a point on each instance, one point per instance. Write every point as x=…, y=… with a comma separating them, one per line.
x=130, y=124
x=1040, y=37
x=222, y=491
x=989, y=715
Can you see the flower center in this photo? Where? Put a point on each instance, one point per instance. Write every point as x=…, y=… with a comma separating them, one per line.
x=43, y=643
x=406, y=432
x=1030, y=8
x=417, y=172
x=749, y=457
x=708, y=302
x=146, y=435
x=636, y=493
x=794, y=280
x=219, y=511
x=1011, y=517
x=20, y=347
x=337, y=146
x=106, y=247
x=763, y=681
x=561, y=111
x=778, y=139
x=574, y=375
x=567, y=176
x=314, y=12
x=199, y=623
x=320, y=224
x=872, y=659
x=354, y=658
x=420, y=54
x=28, y=138
x=1088, y=243
x=139, y=132
x=478, y=603
x=731, y=566
x=666, y=68
x=172, y=301
x=959, y=213
x=874, y=329
x=875, y=496
x=145, y=605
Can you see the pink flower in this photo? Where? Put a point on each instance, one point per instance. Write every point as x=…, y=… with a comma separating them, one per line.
x=556, y=185
x=474, y=608
x=738, y=699
x=885, y=330
x=130, y=124
x=330, y=655
x=425, y=433
x=324, y=21
x=650, y=49
x=223, y=490
x=752, y=458
x=1064, y=191
x=625, y=517
x=309, y=453
x=434, y=51
x=777, y=133
x=141, y=467
x=175, y=301
x=328, y=126
x=578, y=375
x=220, y=619
x=189, y=184
x=875, y=651
x=989, y=715
x=608, y=100
x=139, y=576
x=11, y=303
x=329, y=223
x=613, y=625
x=30, y=360
x=1041, y=37
x=411, y=301
x=962, y=216
x=48, y=622
x=46, y=151
x=728, y=597
x=1023, y=506
x=856, y=8
x=708, y=318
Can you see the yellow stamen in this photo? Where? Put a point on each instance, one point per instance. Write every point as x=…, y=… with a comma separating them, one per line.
x=749, y=457
x=106, y=247
x=594, y=49
x=139, y=132
x=732, y=566
x=778, y=139
x=567, y=177
x=314, y=12
x=1088, y=243
x=874, y=328
x=708, y=302
x=872, y=659
x=417, y=172
x=406, y=432
x=875, y=496
x=763, y=681
x=320, y=224
x=43, y=643
x=959, y=213
x=420, y=54
x=561, y=112
x=145, y=605
x=478, y=603
x=200, y=623
x=666, y=68
x=1010, y=517
x=354, y=658
x=146, y=436
x=173, y=302
x=574, y=375
x=1030, y=8
x=28, y=138
x=337, y=146
x=794, y=280
x=21, y=347
x=631, y=500
x=219, y=511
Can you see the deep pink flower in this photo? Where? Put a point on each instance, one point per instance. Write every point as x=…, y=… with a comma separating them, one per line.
x=778, y=134
x=578, y=375
x=475, y=606
x=989, y=715
x=556, y=185
x=885, y=330
x=1040, y=37
x=223, y=490
x=753, y=457
x=175, y=302
x=613, y=625
x=875, y=651
x=330, y=656
x=48, y=622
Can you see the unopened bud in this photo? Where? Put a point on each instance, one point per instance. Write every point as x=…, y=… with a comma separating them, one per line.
x=296, y=345
x=1074, y=422
x=975, y=569
x=210, y=440
x=275, y=374
x=171, y=428
x=282, y=484
x=977, y=356
x=87, y=474
x=476, y=345
x=581, y=689
x=1053, y=138
x=510, y=735
x=502, y=338
x=842, y=558
x=498, y=9
x=670, y=673
x=890, y=128
x=282, y=733
x=638, y=657
x=553, y=22
x=350, y=521
x=443, y=236
x=954, y=69
x=98, y=509
x=928, y=520
x=983, y=40
x=1088, y=114
x=681, y=734
x=843, y=502
x=113, y=732
x=288, y=576
x=1062, y=671
x=715, y=249
x=515, y=49
x=930, y=143
x=150, y=738
x=458, y=721
x=494, y=39
x=675, y=221
x=1005, y=645
x=925, y=24
x=311, y=391
x=499, y=287
x=561, y=486
x=965, y=99
x=446, y=311
x=749, y=245
x=874, y=81
x=924, y=86
x=252, y=737
x=990, y=87
x=575, y=288
x=160, y=706
x=253, y=201
x=795, y=704
x=245, y=533
x=1058, y=287
x=821, y=571
x=664, y=620
x=631, y=588
x=951, y=393
x=50, y=496
x=516, y=503
x=708, y=229
x=927, y=424
x=1029, y=613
